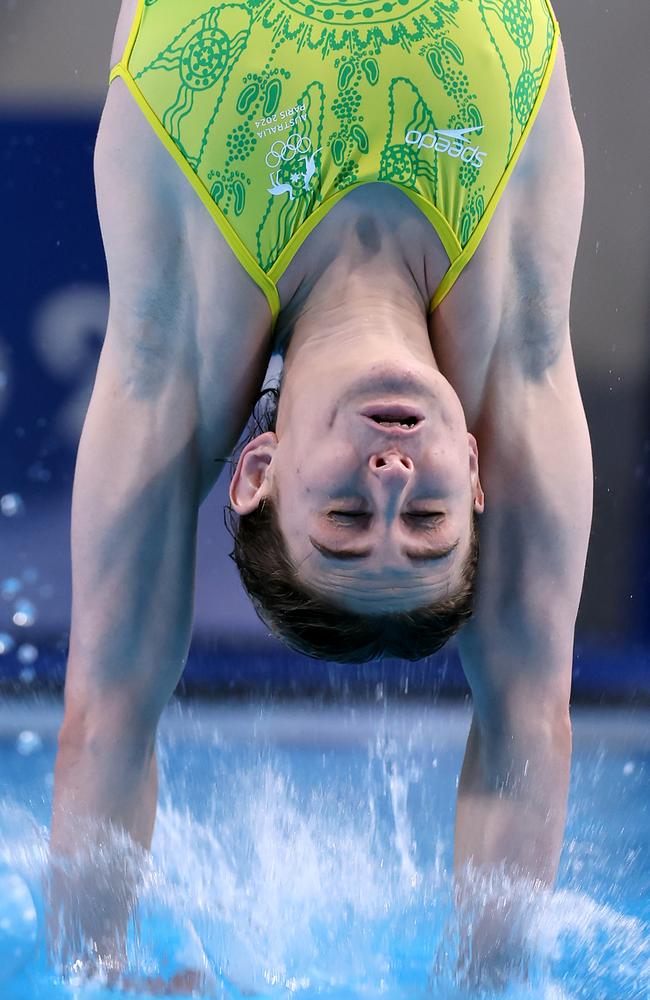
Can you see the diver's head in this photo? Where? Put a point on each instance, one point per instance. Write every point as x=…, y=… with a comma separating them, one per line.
x=357, y=510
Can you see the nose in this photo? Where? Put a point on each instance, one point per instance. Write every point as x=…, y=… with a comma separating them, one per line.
x=391, y=466
x=392, y=472
x=390, y=463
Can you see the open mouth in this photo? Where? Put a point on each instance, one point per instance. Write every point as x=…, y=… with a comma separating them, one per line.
x=393, y=416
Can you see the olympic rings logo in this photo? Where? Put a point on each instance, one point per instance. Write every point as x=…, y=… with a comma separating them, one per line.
x=294, y=144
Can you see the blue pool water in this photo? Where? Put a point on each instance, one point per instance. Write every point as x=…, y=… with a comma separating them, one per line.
x=307, y=852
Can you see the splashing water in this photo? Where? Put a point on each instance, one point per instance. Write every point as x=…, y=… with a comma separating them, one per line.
x=293, y=869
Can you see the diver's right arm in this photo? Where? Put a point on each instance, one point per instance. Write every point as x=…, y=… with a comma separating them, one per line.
x=134, y=515
x=176, y=381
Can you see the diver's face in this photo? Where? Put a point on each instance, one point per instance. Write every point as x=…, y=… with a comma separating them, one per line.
x=375, y=486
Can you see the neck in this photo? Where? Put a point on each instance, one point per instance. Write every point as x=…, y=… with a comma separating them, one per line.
x=360, y=269
x=362, y=300
x=372, y=306
x=355, y=318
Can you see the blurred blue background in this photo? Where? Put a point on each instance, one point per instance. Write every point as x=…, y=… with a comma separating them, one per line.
x=53, y=309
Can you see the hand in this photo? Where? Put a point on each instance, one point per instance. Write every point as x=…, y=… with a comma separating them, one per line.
x=189, y=982
x=484, y=945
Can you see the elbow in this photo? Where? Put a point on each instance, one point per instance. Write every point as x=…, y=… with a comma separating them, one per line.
x=524, y=738
x=97, y=724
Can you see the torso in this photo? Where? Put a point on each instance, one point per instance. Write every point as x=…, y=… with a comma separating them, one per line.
x=465, y=327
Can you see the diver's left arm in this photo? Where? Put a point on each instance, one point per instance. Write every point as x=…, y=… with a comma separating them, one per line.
x=536, y=471
x=517, y=649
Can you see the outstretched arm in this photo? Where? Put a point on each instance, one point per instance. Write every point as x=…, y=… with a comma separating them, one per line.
x=536, y=472
x=172, y=392
x=517, y=650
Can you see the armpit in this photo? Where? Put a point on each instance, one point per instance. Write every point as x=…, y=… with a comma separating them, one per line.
x=536, y=319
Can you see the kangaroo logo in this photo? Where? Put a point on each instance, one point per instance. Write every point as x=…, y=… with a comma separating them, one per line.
x=282, y=152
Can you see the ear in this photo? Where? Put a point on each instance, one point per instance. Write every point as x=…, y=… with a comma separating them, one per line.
x=251, y=482
x=477, y=491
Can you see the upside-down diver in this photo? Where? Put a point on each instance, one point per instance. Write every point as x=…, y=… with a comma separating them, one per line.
x=391, y=196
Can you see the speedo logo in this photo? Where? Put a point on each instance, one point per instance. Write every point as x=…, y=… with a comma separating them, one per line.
x=451, y=141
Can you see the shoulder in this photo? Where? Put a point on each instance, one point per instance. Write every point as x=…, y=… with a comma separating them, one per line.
x=504, y=326
x=514, y=294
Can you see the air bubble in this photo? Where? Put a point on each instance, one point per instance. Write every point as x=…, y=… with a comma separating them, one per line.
x=27, y=675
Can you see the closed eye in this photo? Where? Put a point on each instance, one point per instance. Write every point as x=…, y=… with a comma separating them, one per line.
x=421, y=519
x=346, y=516
x=425, y=518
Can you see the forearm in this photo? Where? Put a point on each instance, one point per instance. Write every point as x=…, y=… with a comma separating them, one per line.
x=105, y=784
x=512, y=796
x=510, y=817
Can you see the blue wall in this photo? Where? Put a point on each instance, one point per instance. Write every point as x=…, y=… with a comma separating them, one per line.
x=48, y=209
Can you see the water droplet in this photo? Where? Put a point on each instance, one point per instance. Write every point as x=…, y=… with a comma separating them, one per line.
x=11, y=504
x=10, y=587
x=27, y=653
x=24, y=613
x=30, y=575
x=28, y=742
x=18, y=924
x=27, y=675
x=628, y=768
x=6, y=643
x=38, y=473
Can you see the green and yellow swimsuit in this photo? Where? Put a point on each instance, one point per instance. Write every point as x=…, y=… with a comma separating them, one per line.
x=275, y=109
